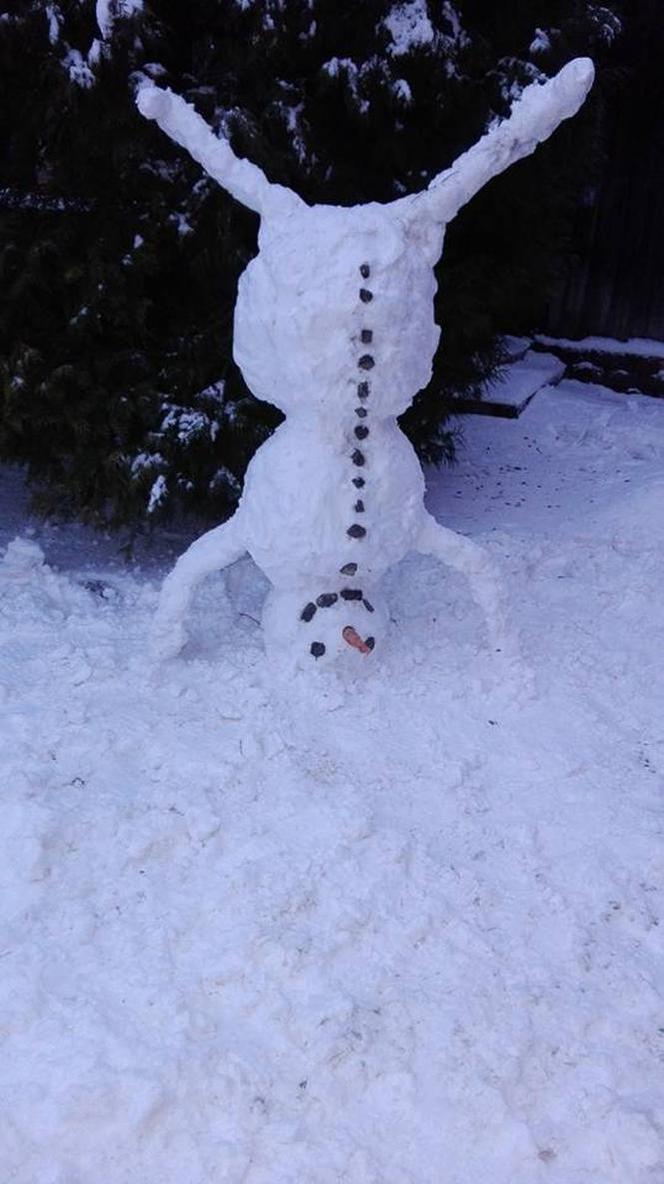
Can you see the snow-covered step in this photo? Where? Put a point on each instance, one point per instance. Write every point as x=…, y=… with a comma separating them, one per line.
x=634, y=366
x=515, y=348
x=632, y=347
x=509, y=393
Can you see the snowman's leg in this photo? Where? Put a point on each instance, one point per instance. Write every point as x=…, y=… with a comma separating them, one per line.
x=211, y=552
x=474, y=563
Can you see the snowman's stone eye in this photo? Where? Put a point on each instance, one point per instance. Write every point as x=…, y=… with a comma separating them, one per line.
x=308, y=611
x=370, y=642
x=317, y=649
x=356, y=531
x=327, y=599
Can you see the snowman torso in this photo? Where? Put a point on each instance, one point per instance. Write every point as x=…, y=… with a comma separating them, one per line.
x=329, y=287
x=305, y=492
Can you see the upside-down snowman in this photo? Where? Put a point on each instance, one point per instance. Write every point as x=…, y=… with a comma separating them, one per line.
x=334, y=325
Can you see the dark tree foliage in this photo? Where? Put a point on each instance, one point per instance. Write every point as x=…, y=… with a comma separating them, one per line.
x=119, y=260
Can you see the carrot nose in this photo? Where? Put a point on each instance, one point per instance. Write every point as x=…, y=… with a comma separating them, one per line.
x=353, y=638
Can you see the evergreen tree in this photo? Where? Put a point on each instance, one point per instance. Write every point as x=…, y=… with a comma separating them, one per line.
x=119, y=260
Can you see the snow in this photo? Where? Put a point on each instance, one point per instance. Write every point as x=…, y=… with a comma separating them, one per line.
x=541, y=42
x=104, y=18
x=608, y=24
x=515, y=347
x=516, y=384
x=158, y=492
x=147, y=460
x=108, y=11
x=402, y=927
x=182, y=225
x=53, y=17
x=635, y=347
x=186, y=423
x=409, y=27
x=347, y=69
x=78, y=69
x=224, y=478
x=402, y=90
x=334, y=324
x=215, y=392
x=293, y=118
x=410, y=30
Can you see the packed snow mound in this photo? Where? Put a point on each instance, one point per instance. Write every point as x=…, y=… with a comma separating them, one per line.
x=22, y=556
x=399, y=928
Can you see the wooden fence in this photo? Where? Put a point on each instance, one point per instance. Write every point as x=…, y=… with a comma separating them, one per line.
x=616, y=286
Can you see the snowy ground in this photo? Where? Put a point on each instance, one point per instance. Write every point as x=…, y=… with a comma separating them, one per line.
x=399, y=931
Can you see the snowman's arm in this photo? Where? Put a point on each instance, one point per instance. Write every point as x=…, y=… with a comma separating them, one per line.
x=534, y=117
x=465, y=556
x=182, y=123
x=211, y=552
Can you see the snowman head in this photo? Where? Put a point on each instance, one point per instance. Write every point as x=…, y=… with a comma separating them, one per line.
x=349, y=624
